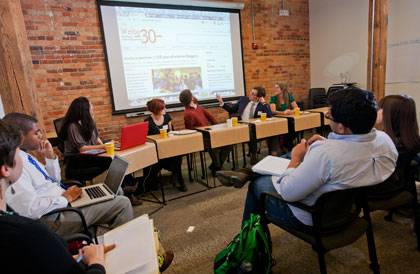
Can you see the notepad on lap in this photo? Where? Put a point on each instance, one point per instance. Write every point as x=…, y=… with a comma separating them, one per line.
x=271, y=165
x=135, y=250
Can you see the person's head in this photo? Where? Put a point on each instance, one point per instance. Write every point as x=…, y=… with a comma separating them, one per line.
x=156, y=106
x=80, y=112
x=353, y=111
x=28, y=126
x=281, y=88
x=10, y=161
x=397, y=117
x=186, y=97
x=256, y=93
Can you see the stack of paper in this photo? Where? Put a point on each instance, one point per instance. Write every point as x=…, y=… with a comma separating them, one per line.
x=271, y=165
x=135, y=250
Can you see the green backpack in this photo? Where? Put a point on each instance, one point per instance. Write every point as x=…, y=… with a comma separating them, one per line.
x=249, y=251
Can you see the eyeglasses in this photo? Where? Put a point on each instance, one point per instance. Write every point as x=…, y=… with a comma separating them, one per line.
x=328, y=116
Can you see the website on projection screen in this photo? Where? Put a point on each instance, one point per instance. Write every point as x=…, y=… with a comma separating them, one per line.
x=156, y=53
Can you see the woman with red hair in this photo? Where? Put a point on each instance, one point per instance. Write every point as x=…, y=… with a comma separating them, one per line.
x=158, y=120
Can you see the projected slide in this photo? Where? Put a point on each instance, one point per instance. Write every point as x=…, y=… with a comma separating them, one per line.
x=156, y=53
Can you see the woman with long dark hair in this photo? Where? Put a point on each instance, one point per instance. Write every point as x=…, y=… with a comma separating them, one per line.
x=79, y=134
x=397, y=117
x=79, y=130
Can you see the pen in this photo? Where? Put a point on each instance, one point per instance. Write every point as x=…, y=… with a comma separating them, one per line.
x=79, y=258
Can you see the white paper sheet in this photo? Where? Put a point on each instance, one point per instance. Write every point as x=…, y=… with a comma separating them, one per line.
x=135, y=250
x=271, y=165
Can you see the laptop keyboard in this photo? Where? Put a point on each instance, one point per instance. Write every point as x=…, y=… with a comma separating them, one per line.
x=95, y=192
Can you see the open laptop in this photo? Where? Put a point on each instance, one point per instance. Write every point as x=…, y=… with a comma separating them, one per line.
x=108, y=190
x=133, y=135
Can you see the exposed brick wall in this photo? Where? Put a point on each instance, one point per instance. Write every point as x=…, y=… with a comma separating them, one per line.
x=68, y=56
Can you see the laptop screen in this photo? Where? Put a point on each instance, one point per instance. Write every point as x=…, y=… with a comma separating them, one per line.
x=116, y=173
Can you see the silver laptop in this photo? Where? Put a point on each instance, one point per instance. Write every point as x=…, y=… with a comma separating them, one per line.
x=108, y=190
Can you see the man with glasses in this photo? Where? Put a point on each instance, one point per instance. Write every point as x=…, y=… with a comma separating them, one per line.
x=354, y=155
x=249, y=107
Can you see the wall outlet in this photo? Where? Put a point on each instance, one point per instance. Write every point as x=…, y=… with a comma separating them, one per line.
x=284, y=12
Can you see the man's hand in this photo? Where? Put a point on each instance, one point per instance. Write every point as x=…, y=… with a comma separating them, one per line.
x=220, y=99
x=95, y=254
x=298, y=153
x=261, y=100
x=314, y=138
x=46, y=150
x=72, y=193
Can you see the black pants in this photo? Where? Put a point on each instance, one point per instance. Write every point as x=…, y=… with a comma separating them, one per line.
x=151, y=173
x=84, y=167
x=218, y=156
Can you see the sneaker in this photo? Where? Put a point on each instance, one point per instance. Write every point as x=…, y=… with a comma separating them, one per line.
x=165, y=260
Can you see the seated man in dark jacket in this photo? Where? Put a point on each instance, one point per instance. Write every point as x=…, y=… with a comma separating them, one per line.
x=248, y=107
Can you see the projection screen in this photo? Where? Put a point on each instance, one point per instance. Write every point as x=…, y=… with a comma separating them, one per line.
x=158, y=50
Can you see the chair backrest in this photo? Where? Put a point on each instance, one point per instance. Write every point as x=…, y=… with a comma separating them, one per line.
x=317, y=98
x=336, y=210
x=58, y=124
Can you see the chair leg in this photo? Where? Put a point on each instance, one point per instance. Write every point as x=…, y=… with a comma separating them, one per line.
x=243, y=155
x=321, y=261
x=374, y=265
x=189, y=164
x=416, y=222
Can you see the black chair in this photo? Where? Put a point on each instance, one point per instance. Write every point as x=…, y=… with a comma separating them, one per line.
x=397, y=191
x=87, y=233
x=317, y=98
x=336, y=223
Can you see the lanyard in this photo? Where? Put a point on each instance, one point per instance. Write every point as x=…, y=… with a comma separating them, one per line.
x=46, y=176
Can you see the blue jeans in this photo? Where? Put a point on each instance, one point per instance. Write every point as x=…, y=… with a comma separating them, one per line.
x=276, y=209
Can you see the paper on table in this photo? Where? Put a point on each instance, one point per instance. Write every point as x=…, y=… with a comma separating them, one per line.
x=271, y=165
x=184, y=131
x=135, y=250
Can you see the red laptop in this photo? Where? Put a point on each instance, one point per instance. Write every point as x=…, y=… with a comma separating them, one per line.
x=133, y=135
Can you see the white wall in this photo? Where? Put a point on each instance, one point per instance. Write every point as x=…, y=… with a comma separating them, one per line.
x=338, y=41
x=403, y=55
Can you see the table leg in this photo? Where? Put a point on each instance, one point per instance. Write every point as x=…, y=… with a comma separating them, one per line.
x=243, y=155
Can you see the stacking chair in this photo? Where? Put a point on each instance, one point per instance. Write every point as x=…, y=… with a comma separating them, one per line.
x=317, y=98
x=336, y=223
x=88, y=233
x=397, y=191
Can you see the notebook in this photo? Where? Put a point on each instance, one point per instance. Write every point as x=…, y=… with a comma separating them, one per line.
x=108, y=190
x=135, y=250
x=271, y=165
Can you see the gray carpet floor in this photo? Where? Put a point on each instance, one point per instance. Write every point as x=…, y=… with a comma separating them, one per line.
x=216, y=216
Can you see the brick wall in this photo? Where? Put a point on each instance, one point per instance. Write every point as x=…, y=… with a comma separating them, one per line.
x=68, y=56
